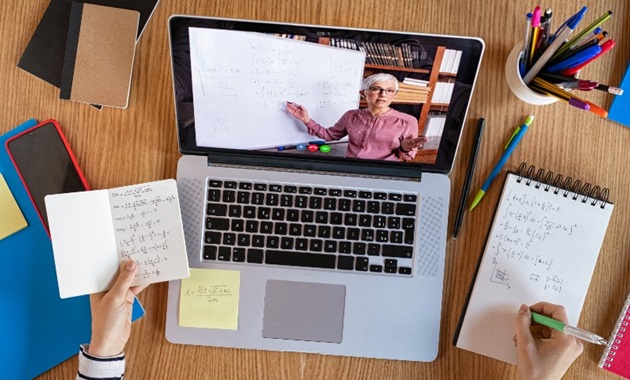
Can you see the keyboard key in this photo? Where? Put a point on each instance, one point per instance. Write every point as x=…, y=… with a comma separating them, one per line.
x=258, y=241
x=305, y=190
x=272, y=199
x=225, y=253
x=358, y=206
x=404, y=270
x=324, y=232
x=212, y=237
x=365, y=220
x=373, y=207
x=345, y=262
x=406, y=209
x=379, y=221
x=353, y=233
x=321, y=217
x=301, y=201
x=391, y=262
x=210, y=252
x=344, y=204
x=330, y=246
x=245, y=186
x=255, y=255
x=334, y=192
x=315, y=203
x=310, y=230
x=249, y=212
x=216, y=209
x=350, y=219
x=365, y=194
x=266, y=227
x=275, y=188
x=295, y=229
x=382, y=236
x=314, y=260
x=290, y=189
x=367, y=234
x=394, y=197
x=345, y=247
x=258, y=198
x=301, y=244
x=359, y=248
x=396, y=237
x=281, y=228
x=286, y=243
x=229, y=238
x=214, y=183
x=374, y=249
x=412, y=198
x=229, y=184
x=387, y=208
x=380, y=196
x=361, y=264
x=264, y=213
x=330, y=204
x=243, y=240
x=251, y=226
x=286, y=200
x=238, y=255
x=316, y=245
x=393, y=222
x=273, y=242
x=217, y=224
x=339, y=233
x=376, y=268
x=293, y=215
x=229, y=196
x=401, y=251
x=214, y=195
x=238, y=225
x=336, y=218
x=307, y=216
x=391, y=269
x=277, y=214
x=350, y=193
x=234, y=211
x=242, y=197
x=260, y=187
x=320, y=191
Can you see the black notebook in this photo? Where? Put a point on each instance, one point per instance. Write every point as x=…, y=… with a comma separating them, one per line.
x=543, y=246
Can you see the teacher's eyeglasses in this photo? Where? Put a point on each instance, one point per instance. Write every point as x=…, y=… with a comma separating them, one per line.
x=386, y=91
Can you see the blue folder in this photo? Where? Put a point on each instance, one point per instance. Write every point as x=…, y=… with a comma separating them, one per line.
x=621, y=104
x=38, y=330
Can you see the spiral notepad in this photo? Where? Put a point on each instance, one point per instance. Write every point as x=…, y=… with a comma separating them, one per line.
x=616, y=357
x=543, y=246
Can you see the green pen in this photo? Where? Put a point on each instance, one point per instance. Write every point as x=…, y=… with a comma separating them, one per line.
x=573, y=331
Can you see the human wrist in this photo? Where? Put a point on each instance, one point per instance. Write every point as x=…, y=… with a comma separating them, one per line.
x=102, y=349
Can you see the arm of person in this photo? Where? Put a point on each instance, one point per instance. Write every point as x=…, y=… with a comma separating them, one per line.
x=409, y=145
x=103, y=358
x=333, y=133
x=543, y=353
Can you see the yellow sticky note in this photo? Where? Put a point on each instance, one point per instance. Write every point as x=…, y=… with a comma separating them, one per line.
x=209, y=299
x=11, y=218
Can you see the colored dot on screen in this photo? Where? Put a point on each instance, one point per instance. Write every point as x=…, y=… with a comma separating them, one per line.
x=325, y=148
x=313, y=148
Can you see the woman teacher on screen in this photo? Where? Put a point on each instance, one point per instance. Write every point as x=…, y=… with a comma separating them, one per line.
x=377, y=132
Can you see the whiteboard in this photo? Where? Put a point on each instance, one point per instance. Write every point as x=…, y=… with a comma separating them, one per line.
x=242, y=81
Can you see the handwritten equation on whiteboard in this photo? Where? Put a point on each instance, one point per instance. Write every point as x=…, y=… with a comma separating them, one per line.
x=147, y=227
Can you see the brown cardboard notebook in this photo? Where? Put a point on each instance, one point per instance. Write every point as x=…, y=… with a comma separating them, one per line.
x=99, y=55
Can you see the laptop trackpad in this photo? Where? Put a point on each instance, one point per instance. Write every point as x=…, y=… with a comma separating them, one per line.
x=304, y=311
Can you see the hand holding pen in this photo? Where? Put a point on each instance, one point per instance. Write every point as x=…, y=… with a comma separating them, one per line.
x=298, y=111
x=543, y=352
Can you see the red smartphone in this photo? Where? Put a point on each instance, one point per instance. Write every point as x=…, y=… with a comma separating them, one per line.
x=45, y=163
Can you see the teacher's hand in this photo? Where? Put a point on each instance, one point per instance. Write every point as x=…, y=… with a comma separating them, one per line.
x=111, y=313
x=409, y=143
x=298, y=111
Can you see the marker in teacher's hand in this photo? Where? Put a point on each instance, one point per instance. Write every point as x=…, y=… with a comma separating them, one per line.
x=573, y=331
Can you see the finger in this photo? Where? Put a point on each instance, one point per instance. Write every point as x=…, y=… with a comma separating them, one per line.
x=522, y=326
x=557, y=312
x=137, y=289
x=125, y=278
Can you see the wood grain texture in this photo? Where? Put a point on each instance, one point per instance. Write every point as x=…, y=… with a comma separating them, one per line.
x=121, y=147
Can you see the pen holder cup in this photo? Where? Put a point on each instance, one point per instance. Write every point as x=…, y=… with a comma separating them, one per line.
x=516, y=84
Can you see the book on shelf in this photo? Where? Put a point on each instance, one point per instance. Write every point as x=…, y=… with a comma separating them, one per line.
x=380, y=54
x=415, y=82
x=442, y=93
x=450, y=61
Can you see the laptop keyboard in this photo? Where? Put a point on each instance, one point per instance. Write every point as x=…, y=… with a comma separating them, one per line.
x=324, y=227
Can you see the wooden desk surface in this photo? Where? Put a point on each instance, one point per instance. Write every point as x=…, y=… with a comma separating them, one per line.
x=120, y=147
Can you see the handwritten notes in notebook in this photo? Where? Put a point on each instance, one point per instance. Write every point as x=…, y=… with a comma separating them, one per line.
x=209, y=299
x=542, y=247
x=93, y=231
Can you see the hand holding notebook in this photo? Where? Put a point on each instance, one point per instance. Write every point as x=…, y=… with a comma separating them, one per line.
x=93, y=231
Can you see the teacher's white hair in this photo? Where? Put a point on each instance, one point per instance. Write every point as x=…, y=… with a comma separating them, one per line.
x=379, y=77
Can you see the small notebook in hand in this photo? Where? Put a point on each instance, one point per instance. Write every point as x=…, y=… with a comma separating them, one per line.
x=616, y=357
x=543, y=246
x=93, y=231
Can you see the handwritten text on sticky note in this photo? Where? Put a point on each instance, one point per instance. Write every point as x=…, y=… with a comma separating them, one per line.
x=209, y=299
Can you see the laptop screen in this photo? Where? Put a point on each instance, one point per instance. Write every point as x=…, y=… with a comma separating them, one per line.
x=314, y=94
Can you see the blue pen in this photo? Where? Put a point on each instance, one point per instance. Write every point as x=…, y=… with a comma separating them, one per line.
x=576, y=59
x=515, y=139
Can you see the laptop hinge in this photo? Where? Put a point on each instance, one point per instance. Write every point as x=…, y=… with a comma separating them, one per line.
x=330, y=169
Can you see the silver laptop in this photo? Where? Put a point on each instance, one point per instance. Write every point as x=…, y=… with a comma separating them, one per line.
x=337, y=254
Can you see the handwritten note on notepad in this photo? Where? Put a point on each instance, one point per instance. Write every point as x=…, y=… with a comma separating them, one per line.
x=542, y=246
x=93, y=231
x=209, y=299
x=11, y=218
